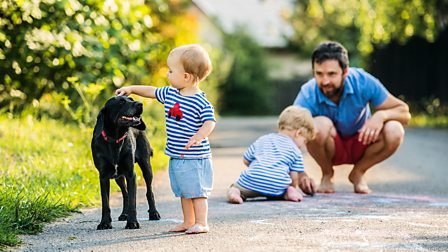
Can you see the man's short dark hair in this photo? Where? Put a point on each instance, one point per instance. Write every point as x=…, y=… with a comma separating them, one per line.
x=330, y=50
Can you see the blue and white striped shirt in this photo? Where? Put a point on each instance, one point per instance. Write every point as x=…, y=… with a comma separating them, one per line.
x=185, y=115
x=272, y=157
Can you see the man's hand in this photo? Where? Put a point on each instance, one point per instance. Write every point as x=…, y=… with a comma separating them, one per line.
x=372, y=128
x=306, y=184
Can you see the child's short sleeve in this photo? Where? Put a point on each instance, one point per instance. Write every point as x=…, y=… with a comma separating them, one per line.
x=207, y=114
x=161, y=94
x=249, y=155
x=297, y=165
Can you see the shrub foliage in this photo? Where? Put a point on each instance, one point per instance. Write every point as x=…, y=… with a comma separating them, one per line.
x=60, y=57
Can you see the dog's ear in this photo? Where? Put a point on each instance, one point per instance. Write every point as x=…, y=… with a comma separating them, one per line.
x=99, y=123
x=101, y=114
x=141, y=126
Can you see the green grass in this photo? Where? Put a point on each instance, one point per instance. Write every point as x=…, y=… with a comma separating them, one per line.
x=47, y=172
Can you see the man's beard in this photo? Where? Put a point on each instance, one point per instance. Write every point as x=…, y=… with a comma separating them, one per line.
x=335, y=93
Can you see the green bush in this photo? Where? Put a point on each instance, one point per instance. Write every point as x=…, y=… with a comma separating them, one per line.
x=65, y=58
x=246, y=90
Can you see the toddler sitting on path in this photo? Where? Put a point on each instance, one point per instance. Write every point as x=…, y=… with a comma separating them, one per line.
x=275, y=163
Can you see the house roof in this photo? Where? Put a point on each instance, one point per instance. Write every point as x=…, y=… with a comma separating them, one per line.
x=264, y=19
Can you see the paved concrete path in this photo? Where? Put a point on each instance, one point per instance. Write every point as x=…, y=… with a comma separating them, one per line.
x=407, y=211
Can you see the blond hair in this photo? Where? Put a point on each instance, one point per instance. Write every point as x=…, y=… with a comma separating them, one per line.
x=293, y=118
x=194, y=59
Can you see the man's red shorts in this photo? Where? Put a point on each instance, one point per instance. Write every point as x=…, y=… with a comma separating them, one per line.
x=348, y=150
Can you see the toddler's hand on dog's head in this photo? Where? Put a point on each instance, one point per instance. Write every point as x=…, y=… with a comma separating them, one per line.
x=121, y=91
x=118, y=92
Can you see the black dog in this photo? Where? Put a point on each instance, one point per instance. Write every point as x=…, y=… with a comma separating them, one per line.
x=118, y=142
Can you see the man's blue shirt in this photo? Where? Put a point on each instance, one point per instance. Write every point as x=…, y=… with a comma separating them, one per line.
x=360, y=90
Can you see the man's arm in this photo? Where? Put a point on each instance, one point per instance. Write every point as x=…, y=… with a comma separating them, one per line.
x=391, y=109
x=145, y=91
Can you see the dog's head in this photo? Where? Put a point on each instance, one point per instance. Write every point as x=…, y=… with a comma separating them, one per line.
x=123, y=111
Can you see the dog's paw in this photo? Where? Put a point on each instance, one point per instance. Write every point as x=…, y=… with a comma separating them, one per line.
x=132, y=225
x=123, y=217
x=104, y=225
x=154, y=216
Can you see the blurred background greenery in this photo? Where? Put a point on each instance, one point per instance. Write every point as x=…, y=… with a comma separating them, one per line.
x=62, y=59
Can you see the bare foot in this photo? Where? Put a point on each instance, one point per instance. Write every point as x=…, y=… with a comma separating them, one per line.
x=293, y=195
x=197, y=229
x=180, y=228
x=359, y=185
x=234, y=195
x=362, y=188
x=326, y=186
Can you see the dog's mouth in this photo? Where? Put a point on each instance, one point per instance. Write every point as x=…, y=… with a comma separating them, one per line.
x=131, y=119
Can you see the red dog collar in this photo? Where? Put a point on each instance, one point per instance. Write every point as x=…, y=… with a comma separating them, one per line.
x=116, y=141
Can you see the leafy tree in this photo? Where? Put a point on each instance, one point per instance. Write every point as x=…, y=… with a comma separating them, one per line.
x=246, y=90
x=72, y=52
x=360, y=25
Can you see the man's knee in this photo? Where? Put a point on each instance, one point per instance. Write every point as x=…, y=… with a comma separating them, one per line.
x=393, y=134
x=324, y=129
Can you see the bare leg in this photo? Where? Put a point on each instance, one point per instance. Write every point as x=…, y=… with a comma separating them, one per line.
x=200, y=206
x=201, y=211
x=234, y=195
x=189, y=216
x=322, y=149
x=388, y=142
x=292, y=194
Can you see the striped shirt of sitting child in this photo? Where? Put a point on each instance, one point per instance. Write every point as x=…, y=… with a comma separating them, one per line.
x=272, y=157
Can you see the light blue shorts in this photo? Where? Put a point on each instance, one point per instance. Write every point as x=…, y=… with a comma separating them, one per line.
x=191, y=178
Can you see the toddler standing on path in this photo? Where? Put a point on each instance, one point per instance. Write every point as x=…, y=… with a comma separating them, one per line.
x=189, y=121
x=275, y=161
